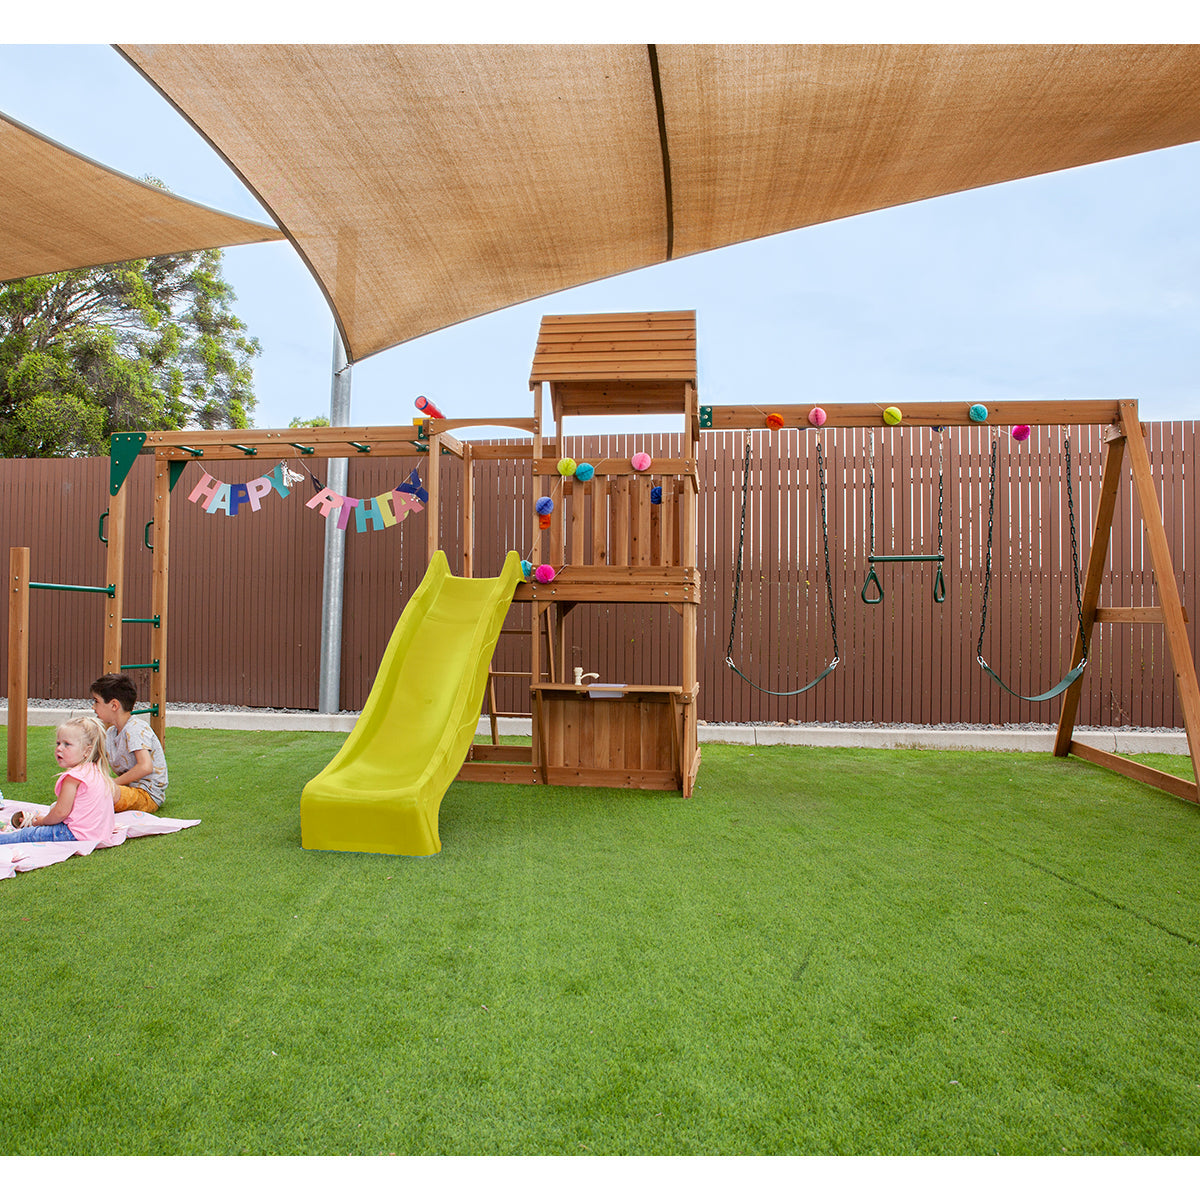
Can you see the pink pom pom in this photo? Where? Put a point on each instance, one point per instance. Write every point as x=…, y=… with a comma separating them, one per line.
x=641, y=461
x=1020, y=433
x=544, y=573
x=816, y=416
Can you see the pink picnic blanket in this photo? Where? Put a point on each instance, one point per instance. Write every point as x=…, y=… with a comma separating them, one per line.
x=31, y=855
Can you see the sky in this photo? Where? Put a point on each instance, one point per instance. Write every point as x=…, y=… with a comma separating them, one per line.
x=1081, y=284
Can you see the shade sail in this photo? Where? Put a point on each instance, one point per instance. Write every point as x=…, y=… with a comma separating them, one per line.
x=425, y=185
x=59, y=210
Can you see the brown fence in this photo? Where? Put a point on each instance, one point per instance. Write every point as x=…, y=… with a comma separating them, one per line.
x=246, y=590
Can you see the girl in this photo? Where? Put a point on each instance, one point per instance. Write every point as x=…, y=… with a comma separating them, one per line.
x=83, y=811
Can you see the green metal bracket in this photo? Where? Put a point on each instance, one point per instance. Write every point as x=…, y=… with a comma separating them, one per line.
x=150, y=666
x=302, y=449
x=123, y=449
x=152, y=709
x=706, y=416
x=249, y=450
x=361, y=447
x=174, y=470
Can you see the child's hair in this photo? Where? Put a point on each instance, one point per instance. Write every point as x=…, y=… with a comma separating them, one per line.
x=94, y=749
x=116, y=687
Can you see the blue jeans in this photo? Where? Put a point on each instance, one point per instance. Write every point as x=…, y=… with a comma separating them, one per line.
x=38, y=833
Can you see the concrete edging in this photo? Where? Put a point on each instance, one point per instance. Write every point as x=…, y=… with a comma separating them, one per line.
x=883, y=737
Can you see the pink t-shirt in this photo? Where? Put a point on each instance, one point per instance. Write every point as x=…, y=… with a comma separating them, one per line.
x=91, y=818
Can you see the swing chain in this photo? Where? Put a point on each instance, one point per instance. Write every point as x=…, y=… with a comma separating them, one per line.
x=941, y=472
x=987, y=570
x=825, y=538
x=737, y=577
x=872, y=491
x=1075, y=552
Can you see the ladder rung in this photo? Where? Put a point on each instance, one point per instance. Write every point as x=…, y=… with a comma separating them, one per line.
x=509, y=674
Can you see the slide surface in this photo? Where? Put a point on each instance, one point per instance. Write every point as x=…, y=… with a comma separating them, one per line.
x=382, y=791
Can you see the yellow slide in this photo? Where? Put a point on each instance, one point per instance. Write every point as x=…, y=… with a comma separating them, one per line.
x=382, y=791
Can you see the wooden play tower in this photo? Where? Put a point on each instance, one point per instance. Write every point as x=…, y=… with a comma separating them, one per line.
x=622, y=535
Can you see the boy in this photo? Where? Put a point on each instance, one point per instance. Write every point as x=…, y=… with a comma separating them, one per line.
x=135, y=752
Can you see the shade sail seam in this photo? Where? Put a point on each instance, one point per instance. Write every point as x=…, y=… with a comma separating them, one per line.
x=661, y=112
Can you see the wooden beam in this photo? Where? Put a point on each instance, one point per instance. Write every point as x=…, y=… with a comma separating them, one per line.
x=1134, y=616
x=441, y=425
x=621, y=466
x=115, y=578
x=923, y=413
x=18, y=663
x=160, y=595
x=1177, y=786
x=1110, y=483
x=433, y=485
x=467, y=519
x=341, y=441
x=1164, y=580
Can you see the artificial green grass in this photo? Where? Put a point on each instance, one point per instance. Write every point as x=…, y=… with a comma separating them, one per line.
x=822, y=951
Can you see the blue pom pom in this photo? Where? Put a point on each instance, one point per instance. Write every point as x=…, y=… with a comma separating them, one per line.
x=978, y=412
x=526, y=568
x=544, y=505
x=584, y=472
x=656, y=495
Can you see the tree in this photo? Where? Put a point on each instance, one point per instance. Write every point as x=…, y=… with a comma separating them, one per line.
x=151, y=344
x=308, y=423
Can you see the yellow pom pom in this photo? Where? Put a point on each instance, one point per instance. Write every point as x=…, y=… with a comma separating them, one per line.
x=892, y=415
x=566, y=466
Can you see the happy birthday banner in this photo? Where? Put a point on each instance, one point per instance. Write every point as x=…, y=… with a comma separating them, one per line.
x=380, y=512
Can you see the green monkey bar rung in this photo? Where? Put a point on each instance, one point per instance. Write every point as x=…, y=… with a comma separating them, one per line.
x=110, y=590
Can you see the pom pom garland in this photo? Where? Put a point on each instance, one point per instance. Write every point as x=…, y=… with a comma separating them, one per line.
x=641, y=461
x=1020, y=433
x=892, y=415
x=584, y=472
x=544, y=505
x=526, y=568
x=544, y=521
x=656, y=495
x=774, y=421
x=977, y=412
x=566, y=466
x=544, y=573
x=816, y=416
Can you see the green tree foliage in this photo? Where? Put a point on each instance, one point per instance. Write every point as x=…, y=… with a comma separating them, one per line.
x=152, y=344
x=308, y=423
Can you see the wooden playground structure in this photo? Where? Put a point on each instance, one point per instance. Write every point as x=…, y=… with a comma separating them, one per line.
x=620, y=533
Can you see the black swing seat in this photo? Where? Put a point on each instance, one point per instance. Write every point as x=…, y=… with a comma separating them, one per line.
x=1057, y=690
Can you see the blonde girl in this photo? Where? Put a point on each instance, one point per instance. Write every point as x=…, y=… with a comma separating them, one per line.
x=83, y=810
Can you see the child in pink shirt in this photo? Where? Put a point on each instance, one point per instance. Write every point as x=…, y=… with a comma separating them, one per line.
x=83, y=811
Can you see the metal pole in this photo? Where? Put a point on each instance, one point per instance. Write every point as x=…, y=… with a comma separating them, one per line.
x=330, y=686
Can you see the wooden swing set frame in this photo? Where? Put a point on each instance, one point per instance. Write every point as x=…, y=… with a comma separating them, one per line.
x=618, y=546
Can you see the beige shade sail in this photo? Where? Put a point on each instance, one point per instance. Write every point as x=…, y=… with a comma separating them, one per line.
x=425, y=185
x=59, y=210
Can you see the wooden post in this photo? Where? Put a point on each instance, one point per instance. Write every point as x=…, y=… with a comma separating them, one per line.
x=115, y=578
x=1110, y=484
x=1164, y=579
x=18, y=662
x=467, y=524
x=160, y=592
x=433, y=487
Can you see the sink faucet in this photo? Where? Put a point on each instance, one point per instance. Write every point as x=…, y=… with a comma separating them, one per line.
x=580, y=676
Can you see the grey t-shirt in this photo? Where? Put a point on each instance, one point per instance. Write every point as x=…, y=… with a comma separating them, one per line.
x=122, y=753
